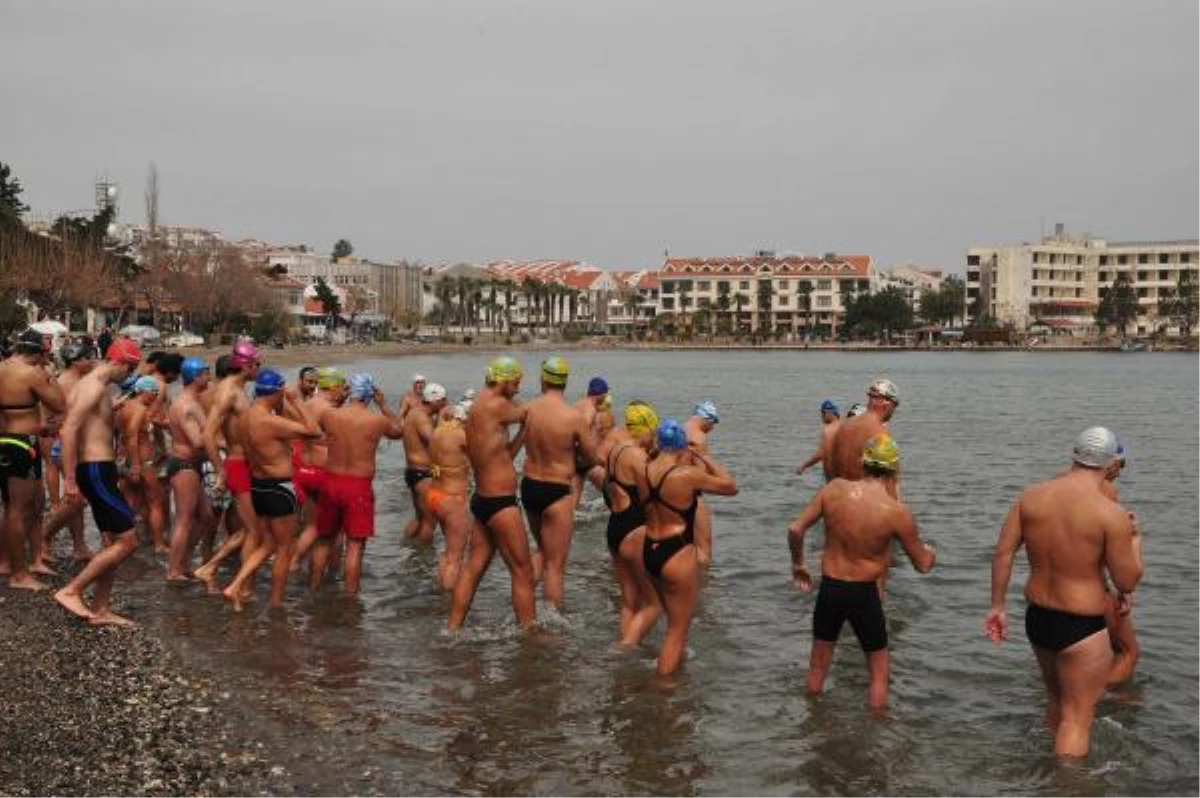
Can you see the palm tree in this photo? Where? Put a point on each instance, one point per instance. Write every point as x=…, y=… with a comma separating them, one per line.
x=510, y=299
x=685, y=290
x=723, y=301
x=740, y=300
x=633, y=303
x=764, y=308
x=806, y=290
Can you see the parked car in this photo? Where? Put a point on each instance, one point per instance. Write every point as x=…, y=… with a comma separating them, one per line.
x=143, y=334
x=184, y=338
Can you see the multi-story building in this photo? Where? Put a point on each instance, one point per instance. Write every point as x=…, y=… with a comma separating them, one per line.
x=767, y=291
x=634, y=304
x=372, y=291
x=1059, y=281
x=911, y=281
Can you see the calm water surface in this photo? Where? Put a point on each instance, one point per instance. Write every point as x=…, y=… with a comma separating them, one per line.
x=413, y=710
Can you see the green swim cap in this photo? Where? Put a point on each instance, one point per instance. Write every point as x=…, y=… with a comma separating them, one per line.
x=330, y=378
x=881, y=452
x=555, y=371
x=504, y=369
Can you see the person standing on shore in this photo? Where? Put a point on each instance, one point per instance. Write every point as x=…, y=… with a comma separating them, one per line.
x=25, y=389
x=310, y=473
x=670, y=489
x=133, y=431
x=448, y=492
x=1073, y=533
x=852, y=435
x=417, y=433
x=589, y=406
x=498, y=523
x=703, y=420
x=348, y=503
x=861, y=520
x=831, y=421
x=164, y=368
x=414, y=397
x=558, y=436
x=193, y=514
x=90, y=468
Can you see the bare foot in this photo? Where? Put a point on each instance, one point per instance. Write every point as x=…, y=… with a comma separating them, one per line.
x=73, y=604
x=212, y=587
x=162, y=548
x=206, y=573
x=110, y=618
x=247, y=593
x=41, y=569
x=181, y=579
x=234, y=597
x=25, y=583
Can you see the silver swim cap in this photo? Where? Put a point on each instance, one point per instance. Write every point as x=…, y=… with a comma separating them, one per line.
x=1095, y=447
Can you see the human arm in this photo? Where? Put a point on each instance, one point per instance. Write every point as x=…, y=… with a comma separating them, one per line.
x=714, y=477
x=84, y=400
x=920, y=553
x=1123, y=551
x=995, y=625
x=192, y=425
x=395, y=427
x=290, y=428
x=795, y=534
x=817, y=457
x=212, y=432
x=49, y=393
x=585, y=435
x=132, y=431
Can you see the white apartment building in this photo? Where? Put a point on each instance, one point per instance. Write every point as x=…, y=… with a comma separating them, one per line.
x=911, y=280
x=1058, y=281
x=377, y=291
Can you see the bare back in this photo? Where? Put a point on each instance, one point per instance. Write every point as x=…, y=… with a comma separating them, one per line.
x=417, y=432
x=848, y=442
x=828, y=435
x=186, y=418
x=861, y=520
x=228, y=404
x=553, y=428
x=24, y=389
x=450, y=464
x=353, y=434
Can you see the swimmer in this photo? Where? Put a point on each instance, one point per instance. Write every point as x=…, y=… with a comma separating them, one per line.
x=313, y=454
x=853, y=434
x=447, y=494
x=590, y=406
x=193, y=513
x=625, y=453
x=164, y=367
x=414, y=397
x=830, y=422
x=1072, y=534
x=856, y=409
x=90, y=468
x=559, y=439
x=497, y=519
x=25, y=389
x=861, y=521
x=670, y=489
x=78, y=361
x=417, y=433
x=348, y=502
x=133, y=428
x=703, y=420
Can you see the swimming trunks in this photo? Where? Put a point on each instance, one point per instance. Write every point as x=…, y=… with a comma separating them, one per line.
x=309, y=479
x=657, y=553
x=274, y=497
x=347, y=504
x=437, y=497
x=537, y=495
x=220, y=501
x=621, y=523
x=98, y=483
x=237, y=476
x=1056, y=630
x=484, y=507
x=413, y=476
x=19, y=459
x=839, y=601
x=176, y=464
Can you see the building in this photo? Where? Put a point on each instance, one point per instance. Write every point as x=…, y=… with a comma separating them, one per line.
x=911, y=281
x=1058, y=282
x=634, y=304
x=372, y=292
x=767, y=293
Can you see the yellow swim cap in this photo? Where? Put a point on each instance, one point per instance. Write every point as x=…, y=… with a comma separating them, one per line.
x=606, y=403
x=555, y=371
x=330, y=378
x=504, y=369
x=640, y=418
x=881, y=452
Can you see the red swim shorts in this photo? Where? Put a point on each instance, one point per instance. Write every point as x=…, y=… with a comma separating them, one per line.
x=309, y=479
x=346, y=503
x=237, y=476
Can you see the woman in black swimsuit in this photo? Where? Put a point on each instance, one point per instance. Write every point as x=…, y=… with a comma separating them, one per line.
x=624, y=453
x=673, y=481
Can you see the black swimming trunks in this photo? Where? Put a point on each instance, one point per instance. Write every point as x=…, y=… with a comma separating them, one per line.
x=19, y=459
x=412, y=476
x=484, y=507
x=1056, y=630
x=839, y=601
x=98, y=483
x=176, y=464
x=657, y=553
x=537, y=495
x=274, y=497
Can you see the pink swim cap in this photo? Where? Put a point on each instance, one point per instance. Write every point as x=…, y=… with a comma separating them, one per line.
x=244, y=354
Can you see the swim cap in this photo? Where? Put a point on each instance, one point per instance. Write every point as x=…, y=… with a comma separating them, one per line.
x=884, y=389
x=555, y=371
x=124, y=352
x=469, y=394
x=640, y=418
x=145, y=384
x=126, y=385
x=881, y=452
x=504, y=369
x=244, y=354
x=192, y=368
x=1095, y=447
x=418, y=377
x=460, y=411
x=72, y=353
x=671, y=436
x=597, y=387
x=433, y=393
x=606, y=403
x=828, y=406
x=707, y=411
x=30, y=342
x=362, y=387
x=856, y=409
x=330, y=378
x=268, y=383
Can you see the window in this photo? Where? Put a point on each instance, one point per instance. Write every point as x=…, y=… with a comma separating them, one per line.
x=972, y=260
x=1078, y=277
x=668, y=303
x=1037, y=257
x=783, y=298
x=1162, y=257
x=1143, y=276
x=1122, y=260
x=703, y=285
x=704, y=302
x=744, y=285
x=782, y=285
x=1143, y=293
x=1078, y=292
x=1053, y=257
x=1162, y=274
x=824, y=301
x=973, y=277
x=824, y=285
x=1103, y=260
x=1185, y=257
x=1103, y=277
x=668, y=287
x=722, y=284
x=1143, y=258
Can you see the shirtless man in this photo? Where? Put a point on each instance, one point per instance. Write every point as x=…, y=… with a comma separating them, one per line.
x=861, y=520
x=498, y=522
x=164, y=368
x=229, y=400
x=77, y=362
x=310, y=471
x=558, y=439
x=133, y=429
x=1072, y=534
x=830, y=423
x=89, y=466
x=25, y=388
x=853, y=433
x=348, y=503
x=447, y=495
x=414, y=397
x=589, y=406
x=703, y=420
x=193, y=513
x=418, y=432
x=266, y=435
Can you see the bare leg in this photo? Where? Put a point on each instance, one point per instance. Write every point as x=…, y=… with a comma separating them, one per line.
x=558, y=526
x=637, y=592
x=478, y=560
x=18, y=515
x=156, y=514
x=425, y=520
x=537, y=557
x=1082, y=676
x=679, y=588
x=1124, y=644
x=233, y=543
x=283, y=535
x=237, y=590
x=321, y=551
x=879, y=670
x=186, y=487
x=818, y=665
x=104, y=564
x=1048, y=663
x=354, y=558
x=513, y=545
x=456, y=523
x=308, y=535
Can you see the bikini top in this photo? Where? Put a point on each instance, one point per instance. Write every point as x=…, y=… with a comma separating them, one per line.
x=610, y=478
x=33, y=403
x=688, y=514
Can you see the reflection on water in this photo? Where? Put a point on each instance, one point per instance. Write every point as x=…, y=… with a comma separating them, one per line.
x=376, y=686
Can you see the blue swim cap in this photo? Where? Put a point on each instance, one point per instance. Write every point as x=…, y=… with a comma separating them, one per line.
x=707, y=411
x=146, y=384
x=192, y=368
x=268, y=383
x=597, y=387
x=671, y=436
x=362, y=387
x=126, y=385
x=828, y=406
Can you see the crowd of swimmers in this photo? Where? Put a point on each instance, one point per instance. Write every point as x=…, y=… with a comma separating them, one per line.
x=287, y=470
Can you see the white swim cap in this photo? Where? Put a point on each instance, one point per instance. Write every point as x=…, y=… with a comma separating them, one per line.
x=1095, y=447
x=460, y=411
x=418, y=378
x=433, y=392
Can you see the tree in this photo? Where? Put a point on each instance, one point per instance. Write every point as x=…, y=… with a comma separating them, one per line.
x=1181, y=305
x=342, y=248
x=723, y=302
x=871, y=315
x=954, y=297
x=806, y=291
x=740, y=301
x=764, y=308
x=11, y=206
x=330, y=304
x=1118, y=305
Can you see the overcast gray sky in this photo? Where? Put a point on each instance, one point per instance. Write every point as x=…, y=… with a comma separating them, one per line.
x=610, y=131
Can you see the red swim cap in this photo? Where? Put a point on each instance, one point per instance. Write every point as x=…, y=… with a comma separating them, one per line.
x=124, y=351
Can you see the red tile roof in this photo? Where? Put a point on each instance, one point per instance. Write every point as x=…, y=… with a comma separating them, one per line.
x=849, y=265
